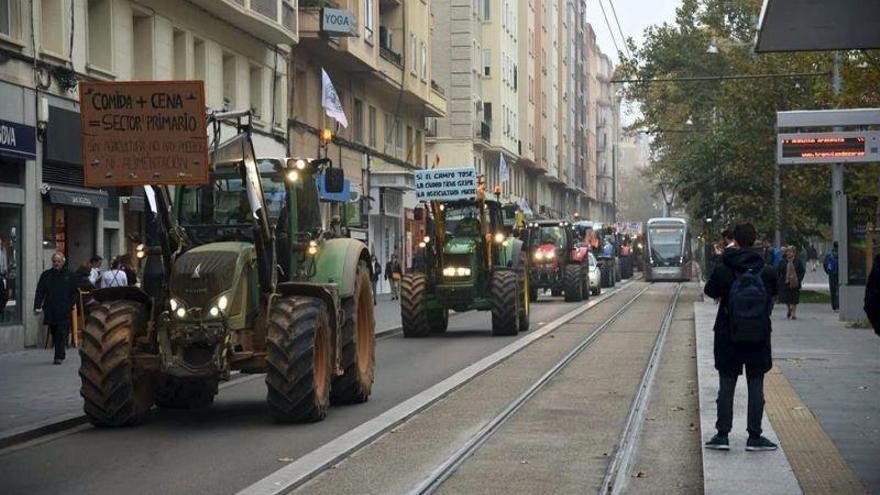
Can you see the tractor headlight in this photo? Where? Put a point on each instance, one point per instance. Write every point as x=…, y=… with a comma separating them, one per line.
x=222, y=303
x=550, y=255
x=422, y=244
x=140, y=251
x=426, y=239
x=539, y=256
x=313, y=248
x=180, y=312
x=300, y=164
x=463, y=272
x=292, y=176
x=499, y=237
x=214, y=311
x=174, y=304
x=453, y=271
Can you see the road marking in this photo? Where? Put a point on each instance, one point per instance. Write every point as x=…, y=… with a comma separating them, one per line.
x=310, y=465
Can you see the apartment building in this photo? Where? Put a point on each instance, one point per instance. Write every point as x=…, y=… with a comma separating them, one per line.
x=383, y=72
x=239, y=48
x=607, y=124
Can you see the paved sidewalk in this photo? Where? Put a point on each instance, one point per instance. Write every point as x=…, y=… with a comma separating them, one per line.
x=735, y=471
x=37, y=395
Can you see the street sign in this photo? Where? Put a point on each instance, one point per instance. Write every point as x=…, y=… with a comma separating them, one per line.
x=446, y=184
x=828, y=147
x=337, y=22
x=143, y=132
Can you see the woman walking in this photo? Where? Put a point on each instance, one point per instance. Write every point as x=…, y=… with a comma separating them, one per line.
x=791, y=274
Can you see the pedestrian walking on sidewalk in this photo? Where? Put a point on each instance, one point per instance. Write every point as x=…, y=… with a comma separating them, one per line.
x=393, y=274
x=374, y=277
x=831, y=267
x=791, y=273
x=812, y=257
x=872, y=296
x=745, y=286
x=55, y=297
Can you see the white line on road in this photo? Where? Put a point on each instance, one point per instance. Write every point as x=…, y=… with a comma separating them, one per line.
x=310, y=465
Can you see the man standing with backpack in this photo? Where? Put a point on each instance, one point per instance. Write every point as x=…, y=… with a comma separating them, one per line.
x=745, y=286
x=831, y=267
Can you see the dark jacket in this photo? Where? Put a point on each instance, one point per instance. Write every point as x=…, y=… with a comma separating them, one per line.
x=729, y=356
x=872, y=296
x=391, y=268
x=56, y=294
x=377, y=270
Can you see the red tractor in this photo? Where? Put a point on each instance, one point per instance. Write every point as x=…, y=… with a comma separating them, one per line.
x=560, y=261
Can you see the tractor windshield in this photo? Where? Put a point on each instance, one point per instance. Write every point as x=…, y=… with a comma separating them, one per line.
x=550, y=234
x=220, y=210
x=462, y=220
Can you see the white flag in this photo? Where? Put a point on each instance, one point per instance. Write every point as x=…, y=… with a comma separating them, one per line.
x=502, y=166
x=525, y=208
x=330, y=100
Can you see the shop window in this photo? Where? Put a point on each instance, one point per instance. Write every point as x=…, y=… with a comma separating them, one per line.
x=11, y=172
x=10, y=259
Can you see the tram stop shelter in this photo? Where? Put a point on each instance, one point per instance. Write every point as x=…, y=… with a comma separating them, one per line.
x=847, y=136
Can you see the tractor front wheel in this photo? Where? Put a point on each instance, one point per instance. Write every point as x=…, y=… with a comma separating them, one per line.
x=298, y=360
x=358, y=358
x=414, y=305
x=505, y=293
x=115, y=393
x=572, y=283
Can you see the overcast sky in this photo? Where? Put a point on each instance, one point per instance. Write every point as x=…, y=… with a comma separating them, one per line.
x=634, y=17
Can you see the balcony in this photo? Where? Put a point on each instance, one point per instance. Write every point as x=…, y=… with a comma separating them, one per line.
x=485, y=132
x=437, y=88
x=274, y=21
x=391, y=56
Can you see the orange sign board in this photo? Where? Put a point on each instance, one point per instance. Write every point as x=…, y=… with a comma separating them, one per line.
x=143, y=132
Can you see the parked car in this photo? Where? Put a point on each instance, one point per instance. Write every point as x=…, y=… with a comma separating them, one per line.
x=595, y=276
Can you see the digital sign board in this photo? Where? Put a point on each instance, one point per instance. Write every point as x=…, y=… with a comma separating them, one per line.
x=827, y=147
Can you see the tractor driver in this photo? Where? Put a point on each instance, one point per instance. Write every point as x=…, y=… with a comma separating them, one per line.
x=467, y=227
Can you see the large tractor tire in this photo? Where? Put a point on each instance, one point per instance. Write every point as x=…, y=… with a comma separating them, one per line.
x=505, y=293
x=438, y=320
x=115, y=393
x=358, y=355
x=298, y=360
x=572, y=283
x=414, y=305
x=176, y=393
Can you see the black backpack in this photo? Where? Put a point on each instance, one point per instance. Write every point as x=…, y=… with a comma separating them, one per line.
x=749, y=306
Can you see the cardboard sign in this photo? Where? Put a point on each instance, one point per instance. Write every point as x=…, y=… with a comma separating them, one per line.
x=446, y=184
x=143, y=132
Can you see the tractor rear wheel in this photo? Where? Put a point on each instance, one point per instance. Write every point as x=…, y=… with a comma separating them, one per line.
x=298, y=360
x=358, y=355
x=572, y=283
x=506, y=302
x=438, y=320
x=176, y=393
x=414, y=305
x=115, y=393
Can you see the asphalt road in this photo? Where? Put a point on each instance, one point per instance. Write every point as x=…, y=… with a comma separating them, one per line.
x=234, y=442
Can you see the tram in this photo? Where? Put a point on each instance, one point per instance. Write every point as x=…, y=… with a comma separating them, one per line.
x=668, y=250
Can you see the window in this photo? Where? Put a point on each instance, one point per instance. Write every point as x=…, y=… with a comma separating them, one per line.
x=414, y=57
x=373, y=124
x=280, y=103
x=389, y=132
x=256, y=90
x=487, y=62
x=179, y=48
x=53, y=26
x=487, y=111
x=357, y=128
x=399, y=139
x=486, y=12
x=424, y=55
x=100, y=54
x=368, y=21
x=6, y=16
x=142, y=47
x=11, y=261
x=228, y=80
x=199, y=59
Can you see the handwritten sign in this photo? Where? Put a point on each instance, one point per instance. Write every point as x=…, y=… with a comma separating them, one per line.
x=144, y=132
x=446, y=184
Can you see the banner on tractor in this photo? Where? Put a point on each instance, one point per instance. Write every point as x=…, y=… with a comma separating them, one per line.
x=446, y=184
x=143, y=132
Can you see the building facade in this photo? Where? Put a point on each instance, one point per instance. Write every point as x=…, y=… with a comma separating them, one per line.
x=383, y=73
x=240, y=49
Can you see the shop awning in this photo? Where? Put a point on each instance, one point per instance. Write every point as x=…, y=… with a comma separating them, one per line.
x=77, y=196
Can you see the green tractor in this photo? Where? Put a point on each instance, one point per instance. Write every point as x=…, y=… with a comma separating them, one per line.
x=253, y=284
x=469, y=261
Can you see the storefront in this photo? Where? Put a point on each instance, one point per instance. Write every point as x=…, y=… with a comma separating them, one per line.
x=17, y=145
x=387, y=215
